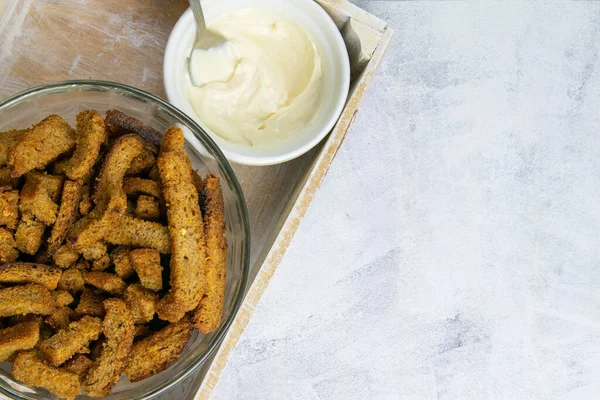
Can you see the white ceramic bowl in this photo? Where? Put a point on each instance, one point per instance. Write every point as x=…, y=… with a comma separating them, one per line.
x=336, y=75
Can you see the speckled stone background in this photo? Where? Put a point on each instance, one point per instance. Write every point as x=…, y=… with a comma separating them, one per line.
x=453, y=251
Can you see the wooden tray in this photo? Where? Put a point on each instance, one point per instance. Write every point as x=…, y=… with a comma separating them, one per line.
x=124, y=41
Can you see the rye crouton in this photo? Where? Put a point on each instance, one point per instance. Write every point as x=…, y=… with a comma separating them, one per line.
x=7, y=141
x=141, y=301
x=22, y=336
x=138, y=186
x=26, y=299
x=62, y=346
x=9, y=207
x=60, y=318
x=71, y=280
x=22, y=272
x=135, y=232
x=109, y=283
x=29, y=235
x=147, y=208
x=146, y=263
x=91, y=303
x=65, y=256
x=207, y=316
x=123, y=266
x=119, y=123
x=118, y=330
x=90, y=134
x=40, y=145
x=67, y=214
x=35, y=201
x=78, y=364
x=186, y=230
x=157, y=352
x=8, y=251
x=31, y=369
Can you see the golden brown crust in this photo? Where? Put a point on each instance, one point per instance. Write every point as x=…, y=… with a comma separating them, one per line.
x=60, y=318
x=6, y=178
x=141, y=301
x=158, y=351
x=62, y=298
x=67, y=214
x=143, y=162
x=147, y=208
x=118, y=330
x=101, y=263
x=109, y=283
x=35, y=202
x=40, y=145
x=139, y=186
x=26, y=299
x=8, y=251
x=65, y=256
x=52, y=183
x=146, y=263
x=123, y=266
x=79, y=365
x=7, y=141
x=29, y=235
x=94, y=251
x=62, y=346
x=135, y=232
x=207, y=316
x=71, y=280
x=22, y=336
x=90, y=135
x=186, y=229
x=9, y=207
x=22, y=272
x=109, y=196
x=91, y=303
x=30, y=368
x=119, y=123
x=86, y=205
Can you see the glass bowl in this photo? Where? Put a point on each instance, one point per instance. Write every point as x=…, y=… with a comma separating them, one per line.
x=69, y=98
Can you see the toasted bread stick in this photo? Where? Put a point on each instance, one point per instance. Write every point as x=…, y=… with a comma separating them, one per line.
x=186, y=229
x=22, y=336
x=207, y=316
x=22, y=272
x=40, y=145
x=90, y=135
x=62, y=346
x=118, y=330
x=157, y=352
x=8, y=251
x=136, y=232
x=79, y=364
x=146, y=263
x=7, y=141
x=109, y=283
x=67, y=214
x=31, y=369
x=26, y=299
x=141, y=301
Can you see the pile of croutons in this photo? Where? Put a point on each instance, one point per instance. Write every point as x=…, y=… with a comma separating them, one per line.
x=112, y=250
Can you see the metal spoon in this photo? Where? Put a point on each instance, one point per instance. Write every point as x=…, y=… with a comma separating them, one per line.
x=205, y=40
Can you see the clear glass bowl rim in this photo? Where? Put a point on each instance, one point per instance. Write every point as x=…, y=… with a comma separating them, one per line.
x=205, y=139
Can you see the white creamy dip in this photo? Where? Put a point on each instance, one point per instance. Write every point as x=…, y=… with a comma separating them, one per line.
x=262, y=89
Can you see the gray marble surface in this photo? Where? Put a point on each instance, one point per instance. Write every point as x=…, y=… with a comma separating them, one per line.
x=453, y=249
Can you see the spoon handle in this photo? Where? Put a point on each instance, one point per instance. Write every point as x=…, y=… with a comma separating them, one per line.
x=199, y=17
